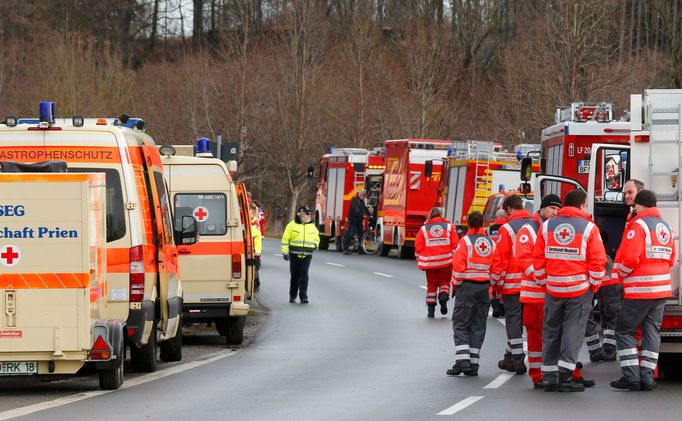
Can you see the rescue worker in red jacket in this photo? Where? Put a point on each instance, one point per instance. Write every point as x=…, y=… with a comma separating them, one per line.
x=506, y=273
x=647, y=254
x=568, y=260
x=493, y=231
x=434, y=247
x=471, y=279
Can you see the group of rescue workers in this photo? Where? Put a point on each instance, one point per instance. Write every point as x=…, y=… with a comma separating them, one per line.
x=547, y=269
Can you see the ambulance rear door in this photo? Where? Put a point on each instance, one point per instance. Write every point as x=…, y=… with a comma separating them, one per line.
x=250, y=265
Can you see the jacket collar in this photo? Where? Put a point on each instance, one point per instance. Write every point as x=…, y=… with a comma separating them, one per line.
x=437, y=219
x=537, y=218
x=518, y=214
x=647, y=213
x=476, y=231
x=572, y=212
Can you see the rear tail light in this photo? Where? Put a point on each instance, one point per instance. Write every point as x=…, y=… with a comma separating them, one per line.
x=136, y=274
x=100, y=350
x=671, y=322
x=641, y=138
x=236, y=265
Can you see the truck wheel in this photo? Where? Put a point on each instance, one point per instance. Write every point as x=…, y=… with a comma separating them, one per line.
x=670, y=366
x=112, y=379
x=324, y=242
x=171, y=350
x=232, y=328
x=144, y=359
x=339, y=243
x=405, y=252
x=384, y=249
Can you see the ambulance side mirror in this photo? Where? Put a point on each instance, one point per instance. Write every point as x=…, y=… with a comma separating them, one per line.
x=526, y=168
x=310, y=172
x=428, y=169
x=187, y=235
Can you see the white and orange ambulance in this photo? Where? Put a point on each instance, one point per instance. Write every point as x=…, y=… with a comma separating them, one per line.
x=217, y=272
x=53, y=289
x=142, y=272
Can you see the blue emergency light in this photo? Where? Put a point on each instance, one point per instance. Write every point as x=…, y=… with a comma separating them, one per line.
x=47, y=112
x=519, y=155
x=203, y=145
x=501, y=189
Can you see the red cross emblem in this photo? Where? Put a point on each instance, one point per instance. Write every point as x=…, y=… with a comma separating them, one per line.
x=10, y=255
x=662, y=233
x=564, y=233
x=482, y=247
x=200, y=214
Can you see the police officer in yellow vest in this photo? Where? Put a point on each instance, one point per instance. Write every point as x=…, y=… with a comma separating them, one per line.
x=299, y=240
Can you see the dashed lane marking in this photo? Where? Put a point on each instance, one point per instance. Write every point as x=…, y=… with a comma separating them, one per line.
x=499, y=381
x=30, y=409
x=383, y=274
x=335, y=264
x=460, y=405
x=277, y=254
x=422, y=286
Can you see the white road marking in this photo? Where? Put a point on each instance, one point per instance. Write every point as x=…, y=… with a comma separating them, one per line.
x=460, y=405
x=499, y=381
x=277, y=254
x=30, y=409
x=501, y=320
x=422, y=286
x=383, y=274
x=335, y=264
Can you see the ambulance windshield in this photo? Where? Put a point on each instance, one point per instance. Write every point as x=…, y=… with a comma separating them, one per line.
x=116, y=221
x=207, y=208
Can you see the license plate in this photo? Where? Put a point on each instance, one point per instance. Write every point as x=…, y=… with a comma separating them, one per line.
x=20, y=368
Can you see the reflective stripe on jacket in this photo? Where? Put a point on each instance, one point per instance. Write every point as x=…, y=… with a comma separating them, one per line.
x=473, y=257
x=300, y=239
x=505, y=270
x=531, y=292
x=647, y=254
x=435, y=244
x=569, y=256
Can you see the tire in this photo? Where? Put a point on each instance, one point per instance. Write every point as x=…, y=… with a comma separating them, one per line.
x=405, y=252
x=670, y=366
x=324, y=242
x=232, y=328
x=112, y=379
x=144, y=359
x=171, y=349
x=339, y=244
x=384, y=249
x=369, y=244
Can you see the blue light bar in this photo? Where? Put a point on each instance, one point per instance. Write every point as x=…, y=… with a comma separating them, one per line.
x=46, y=113
x=203, y=145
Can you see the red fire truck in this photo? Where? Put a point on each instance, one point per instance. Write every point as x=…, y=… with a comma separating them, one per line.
x=344, y=172
x=566, y=145
x=473, y=173
x=408, y=193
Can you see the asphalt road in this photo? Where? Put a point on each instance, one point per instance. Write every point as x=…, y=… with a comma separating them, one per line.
x=362, y=349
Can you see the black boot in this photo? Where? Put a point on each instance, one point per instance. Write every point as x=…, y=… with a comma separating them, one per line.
x=624, y=384
x=506, y=364
x=520, y=367
x=567, y=384
x=432, y=311
x=443, y=300
x=473, y=372
x=461, y=367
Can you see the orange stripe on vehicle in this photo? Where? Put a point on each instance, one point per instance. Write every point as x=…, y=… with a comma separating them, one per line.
x=118, y=259
x=61, y=153
x=44, y=280
x=210, y=248
x=50, y=178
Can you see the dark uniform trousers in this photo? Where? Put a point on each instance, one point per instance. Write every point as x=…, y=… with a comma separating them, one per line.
x=469, y=319
x=298, y=267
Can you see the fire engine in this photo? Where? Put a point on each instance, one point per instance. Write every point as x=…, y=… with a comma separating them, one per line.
x=409, y=192
x=567, y=144
x=344, y=172
x=653, y=155
x=474, y=173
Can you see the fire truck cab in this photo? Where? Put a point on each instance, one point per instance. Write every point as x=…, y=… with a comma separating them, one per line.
x=410, y=190
x=343, y=173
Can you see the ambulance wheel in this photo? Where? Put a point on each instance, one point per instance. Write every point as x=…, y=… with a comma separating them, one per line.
x=112, y=379
x=670, y=366
x=232, y=328
x=384, y=249
x=171, y=350
x=339, y=243
x=405, y=252
x=324, y=242
x=144, y=359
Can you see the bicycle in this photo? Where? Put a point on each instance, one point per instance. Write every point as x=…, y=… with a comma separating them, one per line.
x=368, y=243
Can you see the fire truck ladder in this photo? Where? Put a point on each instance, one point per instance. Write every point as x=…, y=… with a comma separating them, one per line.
x=359, y=178
x=482, y=180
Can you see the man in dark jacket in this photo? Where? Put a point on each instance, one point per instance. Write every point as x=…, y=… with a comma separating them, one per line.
x=357, y=212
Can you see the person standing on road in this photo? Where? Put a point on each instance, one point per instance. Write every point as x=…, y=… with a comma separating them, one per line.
x=647, y=253
x=471, y=279
x=506, y=273
x=434, y=246
x=569, y=260
x=299, y=241
x=356, y=215
x=257, y=237
x=493, y=231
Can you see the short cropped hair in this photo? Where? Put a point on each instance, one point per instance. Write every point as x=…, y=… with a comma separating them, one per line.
x=475, y=219
x=575, y=198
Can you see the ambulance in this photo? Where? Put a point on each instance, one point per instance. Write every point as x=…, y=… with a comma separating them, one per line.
x=652, y=155
x=143, y=287
x=217, y=272
x=53, y=287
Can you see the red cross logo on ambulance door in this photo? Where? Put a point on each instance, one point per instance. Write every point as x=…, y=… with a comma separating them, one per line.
x=9, y=255
x=200, y=213
x=564, y=234
x=662, y=233
x=482, y=247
